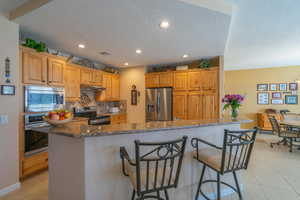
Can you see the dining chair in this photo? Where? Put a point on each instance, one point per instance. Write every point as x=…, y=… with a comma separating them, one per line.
x=288, y=134
x=234, y=155
x=156, y=167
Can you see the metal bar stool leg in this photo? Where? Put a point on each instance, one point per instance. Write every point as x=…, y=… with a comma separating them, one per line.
x=200, y=182
x=218, y=187
x=291, y=144
x=133, y=195
x=237, y=185
x=158, y=194
x=166, y=195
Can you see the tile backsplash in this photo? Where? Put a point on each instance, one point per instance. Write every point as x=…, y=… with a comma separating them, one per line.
x=89, y=100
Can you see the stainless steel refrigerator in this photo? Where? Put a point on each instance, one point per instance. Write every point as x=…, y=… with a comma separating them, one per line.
x=159, y=104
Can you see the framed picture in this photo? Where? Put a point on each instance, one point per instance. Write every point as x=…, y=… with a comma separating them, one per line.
x=291, y=99
x=276, y=95
x=293, y=86
x=273, y=87
x=262, y=87
x=8, y=90
x=282, y=86
x=277, y=101
x=262, y=98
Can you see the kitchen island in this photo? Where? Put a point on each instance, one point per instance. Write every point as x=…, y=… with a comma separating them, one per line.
x=84, y=161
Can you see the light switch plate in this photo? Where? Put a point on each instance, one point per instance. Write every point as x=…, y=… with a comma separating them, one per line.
x=3, y=119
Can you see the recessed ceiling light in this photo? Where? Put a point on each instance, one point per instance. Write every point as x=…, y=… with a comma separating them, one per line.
x=126, y=64
x=185, y=56
x=164, y=24
x=138, y=51
x=82, y=46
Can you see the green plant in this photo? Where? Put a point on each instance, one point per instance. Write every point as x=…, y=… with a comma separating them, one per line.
x=204, y=63
x=39, y=47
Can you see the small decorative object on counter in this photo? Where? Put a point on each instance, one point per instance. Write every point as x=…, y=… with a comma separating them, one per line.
x=7, y=70
x=233, y=101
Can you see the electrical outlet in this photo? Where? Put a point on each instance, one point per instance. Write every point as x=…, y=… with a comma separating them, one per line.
x=3, y=119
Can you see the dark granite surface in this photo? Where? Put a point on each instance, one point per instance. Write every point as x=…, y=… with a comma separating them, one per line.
x=80, y=129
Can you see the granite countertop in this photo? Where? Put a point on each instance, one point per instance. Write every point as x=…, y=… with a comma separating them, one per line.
x=80, y=129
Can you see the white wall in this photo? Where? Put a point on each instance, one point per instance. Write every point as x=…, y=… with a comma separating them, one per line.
x=129, y=77
x=9, y=152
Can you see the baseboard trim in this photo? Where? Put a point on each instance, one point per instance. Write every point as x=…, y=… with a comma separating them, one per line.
x=10, y=188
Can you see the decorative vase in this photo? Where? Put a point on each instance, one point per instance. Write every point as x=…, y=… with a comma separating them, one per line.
x=234, y=113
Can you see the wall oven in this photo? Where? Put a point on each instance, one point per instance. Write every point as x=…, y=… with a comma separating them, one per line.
x=43, y=99
x=35, y=142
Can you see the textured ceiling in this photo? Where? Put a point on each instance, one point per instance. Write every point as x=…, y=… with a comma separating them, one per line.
x=121, y=27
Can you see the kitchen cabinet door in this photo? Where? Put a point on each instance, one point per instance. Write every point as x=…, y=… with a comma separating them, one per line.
x=86, y=76
x=180, y=81
x=210, y=106
x=152, y=80
x=34, y=68
x=179, y=105
x=194, y=80
x=115, y=82
x=56, y=69
x=166, y=79
x=105, y=95
x=209, y=80
x=72, y=83
x=194, y=106
x=97, y=77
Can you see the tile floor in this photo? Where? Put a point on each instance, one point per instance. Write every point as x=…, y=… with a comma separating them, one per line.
x=273, y=174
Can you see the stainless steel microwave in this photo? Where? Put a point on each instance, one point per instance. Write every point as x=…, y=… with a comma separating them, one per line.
x=43, y=99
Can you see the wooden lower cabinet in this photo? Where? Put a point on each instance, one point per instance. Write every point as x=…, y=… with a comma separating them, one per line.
x=118, y=119
x=263, y=120
x=194, y=106
x=180, y=105
x=35, y=163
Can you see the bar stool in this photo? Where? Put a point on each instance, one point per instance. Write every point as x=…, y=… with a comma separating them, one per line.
x=233, y=156
x=156, y=167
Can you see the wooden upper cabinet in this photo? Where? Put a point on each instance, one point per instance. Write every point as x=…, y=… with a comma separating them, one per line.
x=152, y=80
x=34, y=68
x=56, y=69
x=166, y=79
x=194, y=80
x=194, y=106
x=209, y=79
x=105, y=95
x=115, y=86
x=180, y=81
x=86, y=76
x=97, y=77
x=180, y=105
x=72, y=83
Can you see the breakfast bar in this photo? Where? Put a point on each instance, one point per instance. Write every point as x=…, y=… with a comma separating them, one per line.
x=84, y=160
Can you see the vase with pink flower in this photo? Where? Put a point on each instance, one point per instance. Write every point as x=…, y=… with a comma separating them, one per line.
x=233, y=102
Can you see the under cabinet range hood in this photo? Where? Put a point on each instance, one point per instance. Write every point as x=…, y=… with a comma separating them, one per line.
x=92, y=87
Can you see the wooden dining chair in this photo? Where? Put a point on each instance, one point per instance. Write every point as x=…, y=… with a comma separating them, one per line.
x=156, y=167
x=287, y=134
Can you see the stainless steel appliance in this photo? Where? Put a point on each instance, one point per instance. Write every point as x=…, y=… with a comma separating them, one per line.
x=35, y=142
x=91, y=114
x=159, y=104
x=43, y=99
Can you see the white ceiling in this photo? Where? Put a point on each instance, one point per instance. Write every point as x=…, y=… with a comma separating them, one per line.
x=120, y=27
x=264, y=33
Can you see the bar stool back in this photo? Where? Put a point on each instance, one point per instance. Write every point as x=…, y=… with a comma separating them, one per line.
x=233, y=156
x=156, y=168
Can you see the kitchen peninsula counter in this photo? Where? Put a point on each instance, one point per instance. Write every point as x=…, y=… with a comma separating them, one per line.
x=85, y=164
x=80, y=129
